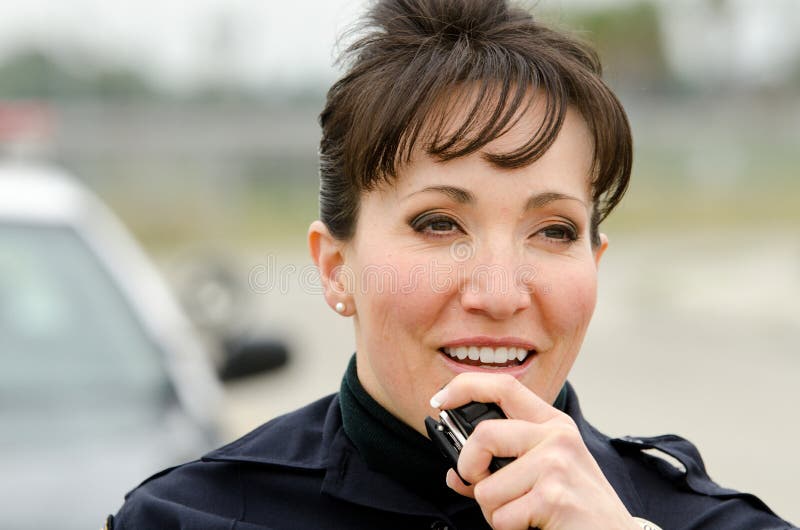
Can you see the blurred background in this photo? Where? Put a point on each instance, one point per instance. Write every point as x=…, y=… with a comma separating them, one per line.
x=194, y=122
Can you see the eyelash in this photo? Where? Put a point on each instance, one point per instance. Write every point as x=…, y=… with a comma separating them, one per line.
x=422, y=224
x=570, y=235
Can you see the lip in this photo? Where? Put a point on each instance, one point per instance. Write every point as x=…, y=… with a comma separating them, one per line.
x=493, y=342
x=516, y=371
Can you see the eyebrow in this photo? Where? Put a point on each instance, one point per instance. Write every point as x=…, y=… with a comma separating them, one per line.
x=462, y=196
x=542, y=199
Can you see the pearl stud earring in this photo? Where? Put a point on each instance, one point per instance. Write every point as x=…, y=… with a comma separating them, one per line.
x=339, y=307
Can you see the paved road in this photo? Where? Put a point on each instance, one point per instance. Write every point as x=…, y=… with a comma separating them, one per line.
x=697, y=336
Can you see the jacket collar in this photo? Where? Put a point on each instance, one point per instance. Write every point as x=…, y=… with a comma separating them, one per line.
x=313, y=439
x=347, y=473
x=299, y=440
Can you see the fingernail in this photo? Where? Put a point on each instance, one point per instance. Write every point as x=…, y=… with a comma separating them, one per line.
x=438, y=398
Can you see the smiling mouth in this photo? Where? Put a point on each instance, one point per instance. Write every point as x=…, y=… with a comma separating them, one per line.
x=488, y=357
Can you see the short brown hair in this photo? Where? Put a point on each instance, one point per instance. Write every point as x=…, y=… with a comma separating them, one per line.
x=413, y=53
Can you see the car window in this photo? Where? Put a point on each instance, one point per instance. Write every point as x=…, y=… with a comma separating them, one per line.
x=69, y=341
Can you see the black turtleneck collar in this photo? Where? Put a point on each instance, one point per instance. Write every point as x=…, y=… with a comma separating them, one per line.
x=390, y=446
x=387, y=444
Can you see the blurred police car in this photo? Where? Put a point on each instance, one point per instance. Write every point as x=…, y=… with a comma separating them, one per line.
x=102, y=378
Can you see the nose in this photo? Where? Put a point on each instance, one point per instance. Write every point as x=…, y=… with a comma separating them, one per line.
x=498, y=285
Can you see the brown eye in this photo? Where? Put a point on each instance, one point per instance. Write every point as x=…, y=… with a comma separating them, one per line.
x=560, y=233
x=435, y=224
x=442, y=225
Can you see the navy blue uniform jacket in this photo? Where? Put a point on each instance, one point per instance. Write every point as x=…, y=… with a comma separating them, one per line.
x=301, y=471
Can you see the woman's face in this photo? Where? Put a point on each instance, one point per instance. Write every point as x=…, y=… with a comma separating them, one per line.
x=463, y=257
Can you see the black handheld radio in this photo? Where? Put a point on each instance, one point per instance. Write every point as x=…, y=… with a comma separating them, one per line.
x=454, y=426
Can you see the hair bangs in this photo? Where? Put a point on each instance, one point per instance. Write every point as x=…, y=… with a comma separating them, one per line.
x=469, y=110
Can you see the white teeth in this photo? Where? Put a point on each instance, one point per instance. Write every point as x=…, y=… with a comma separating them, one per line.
x=500, y=355
x=487, y=355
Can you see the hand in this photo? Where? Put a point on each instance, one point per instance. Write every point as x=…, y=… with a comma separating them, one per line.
x=554, y=483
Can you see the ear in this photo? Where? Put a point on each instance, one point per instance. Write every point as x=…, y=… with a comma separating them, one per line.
x=327, y=253
x=600, y=250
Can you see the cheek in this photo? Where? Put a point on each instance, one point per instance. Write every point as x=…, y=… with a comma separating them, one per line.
x=393, y=325
x=569, y=298
x=398, y=300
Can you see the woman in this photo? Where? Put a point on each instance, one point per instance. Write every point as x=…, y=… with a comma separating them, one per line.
x=468, y=157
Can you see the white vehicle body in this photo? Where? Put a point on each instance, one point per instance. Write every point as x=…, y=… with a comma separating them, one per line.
x=69, y=468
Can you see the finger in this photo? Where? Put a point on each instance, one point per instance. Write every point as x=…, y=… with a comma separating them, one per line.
x=455, y=483
x=516, y=400
x=545, y=487
x=519, y=514
x=497, y=438
x=507, y=484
